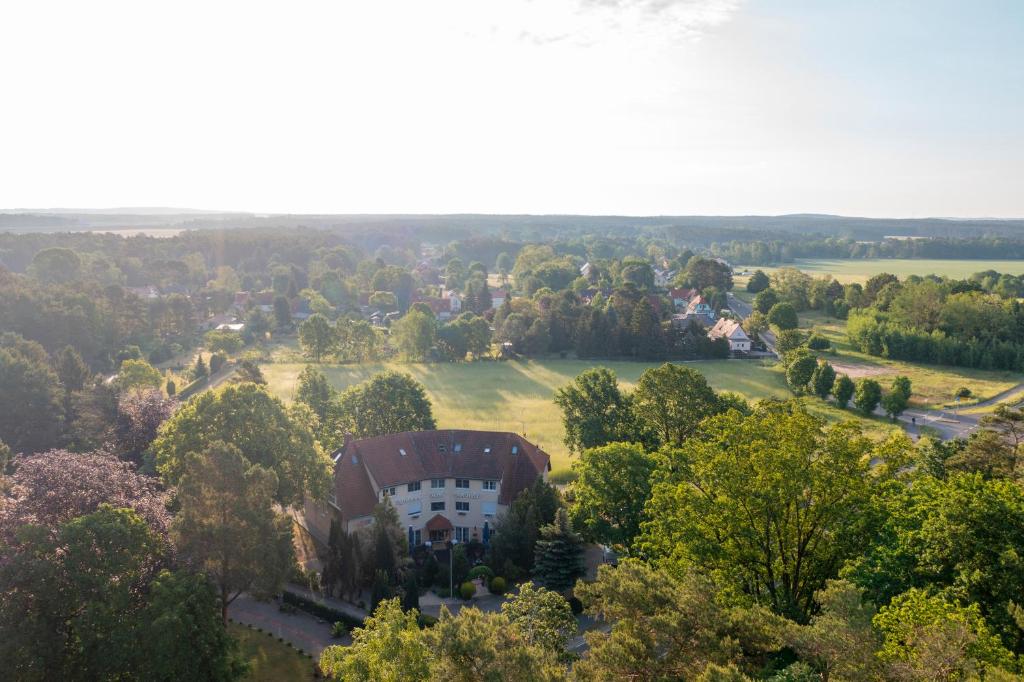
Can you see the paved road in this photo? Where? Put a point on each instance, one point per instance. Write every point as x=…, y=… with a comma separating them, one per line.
x=301, y=629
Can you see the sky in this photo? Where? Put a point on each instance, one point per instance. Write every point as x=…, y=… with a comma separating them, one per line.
x=887, y=108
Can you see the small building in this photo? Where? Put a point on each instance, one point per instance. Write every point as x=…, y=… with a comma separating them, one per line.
x=217, y=321
x=237, y=327
x=445, y=485
x=731, y=330
x=681, y=296
x=586, y=269
x=699, y=307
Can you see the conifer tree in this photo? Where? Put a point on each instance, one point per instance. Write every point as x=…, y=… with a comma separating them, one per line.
x=559, y=555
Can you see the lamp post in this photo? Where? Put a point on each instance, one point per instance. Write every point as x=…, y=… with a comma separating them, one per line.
x=451, y=566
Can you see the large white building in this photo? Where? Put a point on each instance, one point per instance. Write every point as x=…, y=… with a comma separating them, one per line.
x=444, y=484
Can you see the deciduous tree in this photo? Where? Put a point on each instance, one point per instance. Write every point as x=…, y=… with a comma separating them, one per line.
x=227, y=526
x=256, y=423
x=612, y=485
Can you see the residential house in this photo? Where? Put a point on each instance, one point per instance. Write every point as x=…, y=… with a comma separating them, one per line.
x=217, y=321
x=445, y=485
x=662, y=278
x=731, y=330
x=681, y=296
x=498, y=297
x=699, y=307
x=586, y=269
x=147, y=293
x=300, y=309
x=264, y=300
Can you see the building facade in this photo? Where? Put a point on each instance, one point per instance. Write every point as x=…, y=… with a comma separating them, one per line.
x=445, y=485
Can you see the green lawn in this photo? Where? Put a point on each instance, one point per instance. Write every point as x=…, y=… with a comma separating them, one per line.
x=270, y=660
x=933, y=385
x=518, y=395
x=860, y=269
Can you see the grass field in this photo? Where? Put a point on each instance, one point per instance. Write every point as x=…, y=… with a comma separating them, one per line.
x=859, y=270
x=518, y=395
x=270, y=660
x=934, y=386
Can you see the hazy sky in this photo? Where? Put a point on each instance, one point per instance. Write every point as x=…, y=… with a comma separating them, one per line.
x=859, y=107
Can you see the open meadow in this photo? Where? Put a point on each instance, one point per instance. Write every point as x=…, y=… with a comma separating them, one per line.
x=861, y=269
x=934, y=385
x=518, y=395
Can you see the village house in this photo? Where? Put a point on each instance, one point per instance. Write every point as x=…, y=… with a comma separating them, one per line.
x=731, y=330
x=681, y=296
x=445, y=485
x=700, y=310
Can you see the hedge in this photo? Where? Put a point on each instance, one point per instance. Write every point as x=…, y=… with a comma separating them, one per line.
x=319, y=610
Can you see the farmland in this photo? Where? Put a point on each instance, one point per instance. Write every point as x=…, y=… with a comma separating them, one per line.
x=517, y=395
x=859, y=270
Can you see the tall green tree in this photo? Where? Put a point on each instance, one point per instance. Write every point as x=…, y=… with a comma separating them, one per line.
x=389, y=647
x=559, y=555
x=542, y=616
x=867, y=395
x=390, y=402
x=317, y=337
x=414, y=334
x=666, y=626
x=262, y=429
x=672, y=400
x=516, y=531
x=612, y=486
x=595, y=412
x=314, y=390
x=71, y=369
x=32, y=417
x=778, y=473
x=843, y=389
x=227, y=526
x=783, y=316
x=137, y=374
x=823, y=379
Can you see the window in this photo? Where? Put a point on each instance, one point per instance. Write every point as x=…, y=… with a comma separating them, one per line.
x=515, y=449
x=437, y=506
x=489, y=508
x=417, y=538
x=441, y=447
x=414, y=507
x=413, y=487
x=490, y=485
x=389, y=492
x=462, y=506
x=437, y=483
x=462, y=483
x=462, y=534
x=457, y=448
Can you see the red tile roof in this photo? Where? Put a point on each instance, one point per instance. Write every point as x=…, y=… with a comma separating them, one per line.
x=480, y=455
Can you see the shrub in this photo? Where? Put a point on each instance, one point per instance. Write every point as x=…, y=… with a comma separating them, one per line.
x=963, y=392
x=467, y=590
x=497, y=585
x=481, y=571
x=425, y=620
x=818, y=342
x=320, y=610
x=339, y=629
x=217, y=361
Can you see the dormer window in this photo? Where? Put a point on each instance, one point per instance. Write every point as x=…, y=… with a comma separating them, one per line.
x=441, y=447
x=487, y=450
x=458, y=447
x=401, y=451
x=515, y=449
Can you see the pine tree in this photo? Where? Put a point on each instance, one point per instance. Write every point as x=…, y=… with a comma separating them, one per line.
x=559, y=555
x=200, y=371
x=411, y=598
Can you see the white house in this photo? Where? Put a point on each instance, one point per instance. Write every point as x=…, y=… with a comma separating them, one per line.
x=443, y=484
x=731, y=330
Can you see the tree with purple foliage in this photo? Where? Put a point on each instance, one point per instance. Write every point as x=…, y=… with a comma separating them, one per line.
x=139, y=416
x=51, y=488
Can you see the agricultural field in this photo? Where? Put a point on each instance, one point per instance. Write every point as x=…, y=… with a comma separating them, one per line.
x=860, y=270
x=518, y=395
x=934, y=386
